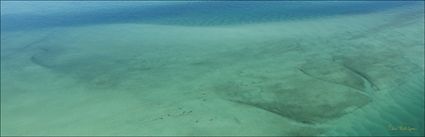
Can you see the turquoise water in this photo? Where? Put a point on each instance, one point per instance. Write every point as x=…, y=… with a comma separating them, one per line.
x=192, y=13
x=212, y=68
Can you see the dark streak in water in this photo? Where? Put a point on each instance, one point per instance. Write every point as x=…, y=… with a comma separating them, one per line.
x=333, y=82
x=363, y=75
x=35, y=42
x=38, y=62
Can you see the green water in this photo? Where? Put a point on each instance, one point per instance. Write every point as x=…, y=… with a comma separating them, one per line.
x=283, y=69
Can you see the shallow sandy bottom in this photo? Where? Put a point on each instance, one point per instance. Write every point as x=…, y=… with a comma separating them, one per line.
x=339, y=75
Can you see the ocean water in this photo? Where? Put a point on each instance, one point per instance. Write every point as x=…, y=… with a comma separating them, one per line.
x=326, y=68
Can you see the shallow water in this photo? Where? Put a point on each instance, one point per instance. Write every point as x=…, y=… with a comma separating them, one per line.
x=212, y=68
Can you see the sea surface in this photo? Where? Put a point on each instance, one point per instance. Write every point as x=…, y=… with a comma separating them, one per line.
x=259, y=68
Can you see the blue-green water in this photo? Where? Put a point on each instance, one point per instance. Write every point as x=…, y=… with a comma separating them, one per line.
x=306, y=68
x=193, y=13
